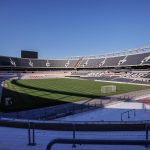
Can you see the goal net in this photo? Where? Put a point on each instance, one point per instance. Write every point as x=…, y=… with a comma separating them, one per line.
x=108, y=89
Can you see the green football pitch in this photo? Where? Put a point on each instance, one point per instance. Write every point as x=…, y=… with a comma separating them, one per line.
x=36, y=93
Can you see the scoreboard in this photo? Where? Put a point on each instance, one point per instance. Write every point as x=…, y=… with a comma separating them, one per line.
x=29, y=54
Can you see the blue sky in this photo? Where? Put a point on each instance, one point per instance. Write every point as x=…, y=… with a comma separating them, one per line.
x=59, y=28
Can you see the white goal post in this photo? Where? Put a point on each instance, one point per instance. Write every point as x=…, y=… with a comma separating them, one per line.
x=108, y=89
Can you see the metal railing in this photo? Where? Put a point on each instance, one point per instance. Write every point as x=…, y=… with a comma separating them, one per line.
x=31, y=134
x=128, y=113
x=75, y=141
x=97, y=142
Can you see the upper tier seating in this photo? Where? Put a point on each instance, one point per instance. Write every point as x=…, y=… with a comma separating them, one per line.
x=83, y=63
x=135, y=59
x=115, y=61
x=58, y=63
x=146, y=60
x=72, y=63
x=126, y=60
x=147, y=76
x=39, y=63
x=5, y=61
x=95, y=63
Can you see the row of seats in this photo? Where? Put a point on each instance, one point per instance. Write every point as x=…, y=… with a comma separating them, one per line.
x=132, y=77
x=126, y=60
x=147, y=76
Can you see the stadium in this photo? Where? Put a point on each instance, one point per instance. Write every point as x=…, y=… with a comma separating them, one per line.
x=100, y=101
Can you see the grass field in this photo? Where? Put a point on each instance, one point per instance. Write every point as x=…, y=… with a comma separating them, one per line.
x=27, y=94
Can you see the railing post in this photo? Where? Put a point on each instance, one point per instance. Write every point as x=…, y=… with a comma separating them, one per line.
x=146, y=127
x=31, y=134
x=128, y=114
x=121, y=116
x=74, y=136
x=134, y=112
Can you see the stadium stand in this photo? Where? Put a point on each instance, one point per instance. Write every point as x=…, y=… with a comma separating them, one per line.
x=147, y=75
x=146, y=60
x=136, y=59
x=132, y=66
x=140, y=77
x=94, y=63
x=72, y=63
x=39, y=63
x=5, y=61
x=58, y=63
x=113, y=61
